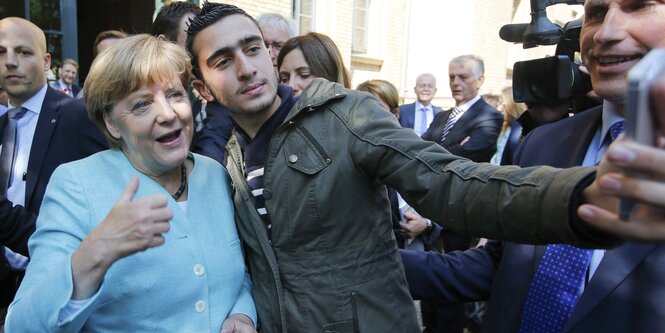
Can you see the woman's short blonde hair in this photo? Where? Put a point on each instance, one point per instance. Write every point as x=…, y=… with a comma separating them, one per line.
x=127, y=66
x=511, y=108
x=384, y=90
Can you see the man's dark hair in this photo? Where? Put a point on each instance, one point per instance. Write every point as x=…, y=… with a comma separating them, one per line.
x=167, y=21
x=210, y=13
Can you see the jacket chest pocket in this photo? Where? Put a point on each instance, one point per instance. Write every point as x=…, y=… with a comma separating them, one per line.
x=304, y=153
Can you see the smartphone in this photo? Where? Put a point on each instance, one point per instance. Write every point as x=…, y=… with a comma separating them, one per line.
x=639, y=125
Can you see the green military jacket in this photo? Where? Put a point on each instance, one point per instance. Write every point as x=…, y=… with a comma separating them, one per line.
x=333, y=265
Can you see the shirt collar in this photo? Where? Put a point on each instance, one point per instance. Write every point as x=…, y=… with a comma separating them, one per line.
x=468, y=104
x=63, y=85
x=34, y=104
x=610, y=116
x=420, y=106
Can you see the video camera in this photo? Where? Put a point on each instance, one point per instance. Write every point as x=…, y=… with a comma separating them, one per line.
x=551, y=79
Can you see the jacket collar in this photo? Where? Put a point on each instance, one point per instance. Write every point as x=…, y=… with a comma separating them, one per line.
x=48, y=118
x=582, y=133
x=317, y=93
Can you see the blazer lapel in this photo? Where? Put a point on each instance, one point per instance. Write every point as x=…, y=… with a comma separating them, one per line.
x=3, y=124
x=578, y=141
x=616, y=265
x=472, y=112
x=48, y=119
x=411, y=116
x=464, y=121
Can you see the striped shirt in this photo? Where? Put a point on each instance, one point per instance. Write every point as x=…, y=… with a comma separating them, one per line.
x=255, y=151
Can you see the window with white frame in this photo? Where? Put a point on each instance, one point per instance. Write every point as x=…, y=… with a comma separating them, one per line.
x=360, y=18
x=304, y=13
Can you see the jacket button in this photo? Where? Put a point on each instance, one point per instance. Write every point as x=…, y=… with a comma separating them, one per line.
x=328, y=161
x=293, y=158
x=199, y=269
x=200, y=306
x=267, y=194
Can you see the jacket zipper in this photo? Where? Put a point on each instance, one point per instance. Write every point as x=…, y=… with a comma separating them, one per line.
x=316, y=143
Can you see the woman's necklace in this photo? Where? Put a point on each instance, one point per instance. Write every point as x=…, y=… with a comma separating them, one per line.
x=183, y=182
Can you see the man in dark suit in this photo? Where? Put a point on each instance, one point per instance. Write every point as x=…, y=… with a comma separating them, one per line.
x=475, y=125
x=50, y=129
x=626, y=285
x=470, y=130
x=622, y=289
x=419, y=114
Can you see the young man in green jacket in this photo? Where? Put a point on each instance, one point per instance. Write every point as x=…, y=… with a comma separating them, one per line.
x=310, y=202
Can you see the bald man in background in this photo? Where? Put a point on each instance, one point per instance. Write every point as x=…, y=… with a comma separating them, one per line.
x=46, y=128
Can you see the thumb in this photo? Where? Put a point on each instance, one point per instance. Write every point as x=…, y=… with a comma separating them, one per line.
x=130, y=190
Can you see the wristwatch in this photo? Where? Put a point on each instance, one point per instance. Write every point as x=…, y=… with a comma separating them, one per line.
x=429, y=225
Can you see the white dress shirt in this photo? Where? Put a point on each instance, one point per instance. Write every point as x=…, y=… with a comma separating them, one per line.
x=466, y=106
x=594, y=155
x=62, y=86
x=25, y=132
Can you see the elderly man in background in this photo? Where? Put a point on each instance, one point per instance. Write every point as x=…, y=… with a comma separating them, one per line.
x=419, y=114
x=276, y=30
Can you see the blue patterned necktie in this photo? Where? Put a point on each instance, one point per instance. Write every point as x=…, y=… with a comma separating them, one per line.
x=615, y=130
x=9, y=148
x=559, y=277
x=423, y=120
x=555, y=289
x=452, y=119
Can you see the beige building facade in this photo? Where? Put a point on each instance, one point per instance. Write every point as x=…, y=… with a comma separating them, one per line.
x=396, y=40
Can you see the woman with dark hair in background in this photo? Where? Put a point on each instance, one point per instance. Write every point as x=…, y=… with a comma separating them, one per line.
x=304, y=58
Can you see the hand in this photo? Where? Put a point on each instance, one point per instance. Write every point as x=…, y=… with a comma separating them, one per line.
x=647, y=223
x=648, y=217
x=414, y=225
x=465, y=140
x=131, y=226
x=238, y=323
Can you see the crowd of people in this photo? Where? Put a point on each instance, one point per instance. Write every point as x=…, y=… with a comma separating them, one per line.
x=221, y=174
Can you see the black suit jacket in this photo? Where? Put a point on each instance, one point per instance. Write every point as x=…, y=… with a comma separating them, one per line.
x=512, y=144
x=625, y=294
x=218, y=126
x=75, y=90
x=481, y=123
x=64, y=133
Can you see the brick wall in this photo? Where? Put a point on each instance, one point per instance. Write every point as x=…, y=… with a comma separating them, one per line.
x=399, y=30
